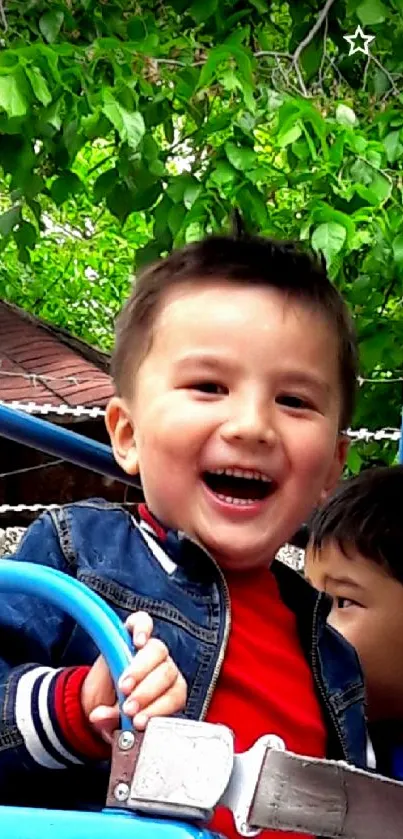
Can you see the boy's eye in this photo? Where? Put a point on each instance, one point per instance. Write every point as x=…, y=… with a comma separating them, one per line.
x=292, y=401
x=345, y=602
x=208, y=387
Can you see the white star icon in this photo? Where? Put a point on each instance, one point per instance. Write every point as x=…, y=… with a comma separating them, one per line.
x=366, y=39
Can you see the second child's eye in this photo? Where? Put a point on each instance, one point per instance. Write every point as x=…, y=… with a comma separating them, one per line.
x=208, y=387
x=345, y=602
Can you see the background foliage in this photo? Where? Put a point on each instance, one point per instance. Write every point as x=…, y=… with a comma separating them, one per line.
x=127, y=128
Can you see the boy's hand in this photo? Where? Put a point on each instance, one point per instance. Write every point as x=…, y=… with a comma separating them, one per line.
x=152, y=683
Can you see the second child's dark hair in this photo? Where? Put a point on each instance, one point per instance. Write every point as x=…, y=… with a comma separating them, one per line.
x=365, y=514
x=246, y=260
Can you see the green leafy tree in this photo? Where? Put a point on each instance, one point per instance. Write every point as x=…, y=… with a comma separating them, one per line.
x=128, y=128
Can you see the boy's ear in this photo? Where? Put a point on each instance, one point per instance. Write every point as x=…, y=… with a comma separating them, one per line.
x=121, y=431
x=336, y=469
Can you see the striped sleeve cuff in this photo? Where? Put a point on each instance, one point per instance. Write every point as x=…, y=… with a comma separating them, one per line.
x=51, y=721
x=37, y=720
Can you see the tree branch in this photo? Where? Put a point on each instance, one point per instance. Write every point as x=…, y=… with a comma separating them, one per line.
x=312, y=32
x=3, y=16
x=273, y=54
x=307, y=40
x=393, y=88
x=324, y=54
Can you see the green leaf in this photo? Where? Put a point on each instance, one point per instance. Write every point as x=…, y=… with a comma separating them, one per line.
x=129, y=125
x=261, y=6
x=223, y=173
x=311, y=58
x=208, y=71
x=12, y=98
x=371, y=12
x=241, y=157
x=322, y=212
x=178, y=185
x=169, y=130
x=120, y=201
x=397, y=248
x=251, y=202
x=9, y=220
x=25, y=235
x=65, y=186
x=176, y=217
x=380, y=187
x=191, y=193
x=329, y=239
x=136, y=29
x=393, y=146
x=50, y=25
x=38, y=84
x=33, y=184
x=354, y=460
x=144, y=256
x=381, y=82
x=285, y=138
x=201, y=10
x=146, y=198
x=104, y=183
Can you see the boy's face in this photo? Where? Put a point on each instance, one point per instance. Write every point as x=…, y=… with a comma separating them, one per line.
x=237, y=378
x=368, y=611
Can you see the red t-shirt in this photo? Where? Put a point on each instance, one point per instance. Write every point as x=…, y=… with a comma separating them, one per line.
x=265, y=685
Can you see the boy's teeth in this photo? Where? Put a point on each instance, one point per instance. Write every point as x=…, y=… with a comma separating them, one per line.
x=242, y=473
x=238, y=502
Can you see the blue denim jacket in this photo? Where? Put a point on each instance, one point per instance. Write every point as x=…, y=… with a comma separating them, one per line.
x=183, y=589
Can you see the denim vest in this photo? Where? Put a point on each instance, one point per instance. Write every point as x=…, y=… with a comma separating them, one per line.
x=184, y=591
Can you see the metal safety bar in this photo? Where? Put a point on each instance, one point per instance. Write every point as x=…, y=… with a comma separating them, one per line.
x=81, y=603
x=61, y=442
x=112, y=639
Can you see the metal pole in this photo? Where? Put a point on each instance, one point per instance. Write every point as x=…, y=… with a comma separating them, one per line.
x=400, y=455
x=60, y=442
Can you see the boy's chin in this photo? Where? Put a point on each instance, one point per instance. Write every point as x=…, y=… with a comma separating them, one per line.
x=243, y=558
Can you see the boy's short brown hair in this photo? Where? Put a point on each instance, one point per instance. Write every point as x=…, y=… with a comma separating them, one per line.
x=253, y=261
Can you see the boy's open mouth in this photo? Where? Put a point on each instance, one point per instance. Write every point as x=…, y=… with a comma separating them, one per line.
x=238, y=486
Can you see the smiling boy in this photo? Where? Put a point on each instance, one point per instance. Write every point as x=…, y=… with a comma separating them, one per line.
x=355, y=555
x=235, y=370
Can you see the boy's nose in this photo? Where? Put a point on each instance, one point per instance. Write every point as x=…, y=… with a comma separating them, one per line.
x=251, y=424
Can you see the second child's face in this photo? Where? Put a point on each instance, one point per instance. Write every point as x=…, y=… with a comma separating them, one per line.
x=234, y=420
x=368, y=610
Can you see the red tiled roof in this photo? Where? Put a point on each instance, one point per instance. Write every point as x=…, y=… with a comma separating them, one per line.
x=43, y=364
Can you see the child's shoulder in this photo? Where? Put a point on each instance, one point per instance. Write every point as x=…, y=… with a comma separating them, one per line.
x=90, y=526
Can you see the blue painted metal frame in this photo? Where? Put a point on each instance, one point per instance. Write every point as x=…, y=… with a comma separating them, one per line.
x=28, y=823
x=84, y=605
x=107, y=631
x=49, y=438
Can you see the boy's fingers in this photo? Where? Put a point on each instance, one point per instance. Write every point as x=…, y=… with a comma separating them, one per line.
x=174, y=700
x=146, y=660
x=105, y=720
x=160, y=681
x=141, y=626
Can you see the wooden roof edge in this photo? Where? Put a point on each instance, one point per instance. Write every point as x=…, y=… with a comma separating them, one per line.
x=92, y=354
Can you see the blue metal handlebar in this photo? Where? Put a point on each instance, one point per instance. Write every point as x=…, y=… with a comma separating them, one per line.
x=60, y=442
x=86, y=607
x=109, y=634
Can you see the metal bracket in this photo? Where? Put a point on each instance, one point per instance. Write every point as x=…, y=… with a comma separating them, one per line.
x=177, y=768
x=185, y=769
